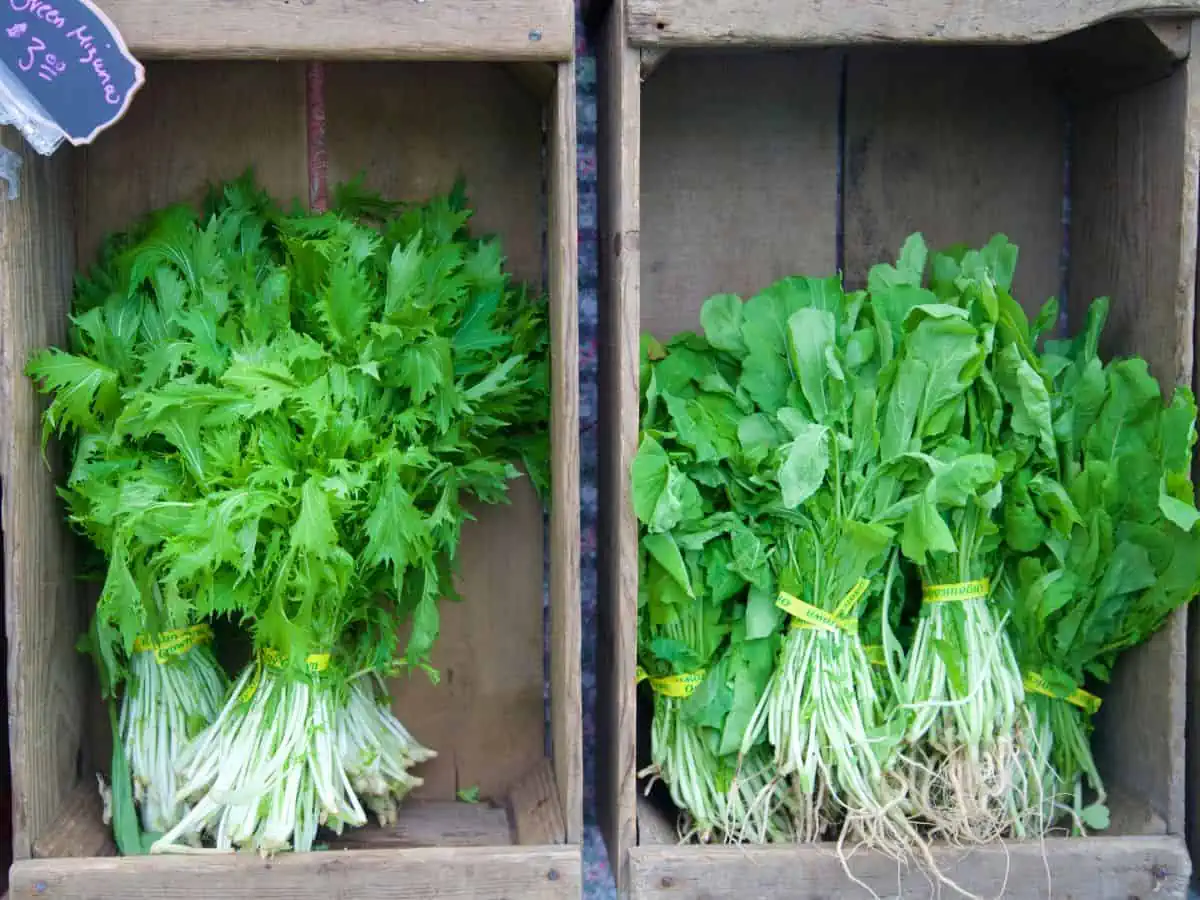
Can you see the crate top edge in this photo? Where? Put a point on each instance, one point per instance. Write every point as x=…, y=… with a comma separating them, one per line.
x=666, y=24
x=466, y=30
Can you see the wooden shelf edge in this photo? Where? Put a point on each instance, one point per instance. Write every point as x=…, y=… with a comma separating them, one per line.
x=1100, y=868
x=781, y=23
x=519, y=30
x=486, y=873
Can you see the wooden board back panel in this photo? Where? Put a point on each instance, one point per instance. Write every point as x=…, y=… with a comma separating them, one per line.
x=46, y=678
x=331, y=29
x=776, y=23
x=959, y=145
x=413, y=128
x=739, y=178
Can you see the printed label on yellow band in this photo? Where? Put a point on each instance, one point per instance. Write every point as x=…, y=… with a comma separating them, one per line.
x=678, y=686
x=959, y=592
x=173, y=643
x=853, y=597
x=1036, y=684
x=314, y=662
x=875, y=655
x=805, y=615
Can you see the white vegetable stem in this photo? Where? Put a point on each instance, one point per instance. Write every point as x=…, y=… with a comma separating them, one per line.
x=286, y=756
x=165, y=705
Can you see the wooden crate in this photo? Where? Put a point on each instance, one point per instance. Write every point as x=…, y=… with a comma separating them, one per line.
x=411, y=125
x=724, y=169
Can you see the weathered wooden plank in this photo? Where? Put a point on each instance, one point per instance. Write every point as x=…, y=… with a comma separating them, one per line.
x=566, y=724
x=79, y=829
x=927, y=152
x=1069, y=868
x=328, y=29
x=46, y=682
x=535, y=808
x=616, y=720
x=653, y=825
x=531, y=873
x=683, y=23
x=432, y=823
x=1134, y=238
x=412, y=129
x=739, y=178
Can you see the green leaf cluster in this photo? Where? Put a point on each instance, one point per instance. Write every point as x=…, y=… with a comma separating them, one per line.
x=282, y=417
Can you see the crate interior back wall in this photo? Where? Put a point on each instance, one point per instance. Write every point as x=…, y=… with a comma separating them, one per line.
x=411, y=129
x=724, y=170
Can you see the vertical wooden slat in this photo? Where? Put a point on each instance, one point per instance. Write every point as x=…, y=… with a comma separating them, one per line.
x=957, y=144
x=739, y=180
x=46, y=683
x=1134, y=238
x=565, y=711
x=616, y=703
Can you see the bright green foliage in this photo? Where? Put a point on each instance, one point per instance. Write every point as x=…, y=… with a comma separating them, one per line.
x=281, y=418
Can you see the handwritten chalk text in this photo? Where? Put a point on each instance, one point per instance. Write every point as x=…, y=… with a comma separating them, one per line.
x=39, y=9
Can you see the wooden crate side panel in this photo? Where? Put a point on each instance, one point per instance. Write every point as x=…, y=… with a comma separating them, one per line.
x=1134, y=236
x=46, y=683
x=739, y=180
x=493, y=873
x=412, y=128
x=959, y=145
x=681, y=23
x=563, y=248
x=616, y=702
x=329, y=29
x=1091, y=868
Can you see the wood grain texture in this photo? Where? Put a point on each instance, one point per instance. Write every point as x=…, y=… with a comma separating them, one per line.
x=1078, y=869
x=959, y=145
x=502, y=873
x=1134, y=238
x=194, y=123
x=431, y=823
x=329, y=29
x=46, y=682
x=566, y=723
x=79, y=829
x=616, y=697
x=767, y=23
x=739, y=178
x=412, y=128
x=535, y=808
x=654, y=826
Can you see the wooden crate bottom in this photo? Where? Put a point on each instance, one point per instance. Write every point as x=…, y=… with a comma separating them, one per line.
x=1107, y=868
x=436, y=848
x=485, y=873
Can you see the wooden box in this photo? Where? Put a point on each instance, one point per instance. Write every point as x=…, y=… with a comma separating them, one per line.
x=485, y=90
x=743, y=142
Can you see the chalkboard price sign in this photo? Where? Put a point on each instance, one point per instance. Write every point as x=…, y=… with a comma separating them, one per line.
x=71, y=58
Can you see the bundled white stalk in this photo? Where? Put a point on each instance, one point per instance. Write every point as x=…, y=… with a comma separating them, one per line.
x=287, y=755
x=174, y=691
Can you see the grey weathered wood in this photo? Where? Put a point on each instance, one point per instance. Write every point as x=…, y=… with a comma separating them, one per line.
x=766, y=23
x=565, y=636
x=739, y=177
x=366, y=29
x=1069, y=868
x=432, y=823
x=478, y=873
x=535, y=808
x=620, y=166
x=46, y=683
x=926, y=152
x=79, y=829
